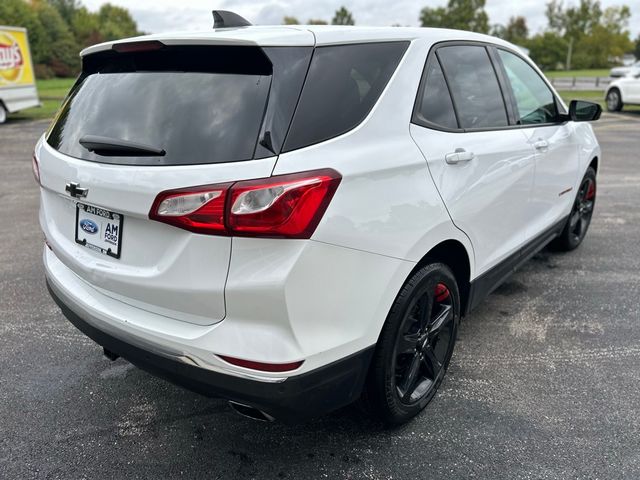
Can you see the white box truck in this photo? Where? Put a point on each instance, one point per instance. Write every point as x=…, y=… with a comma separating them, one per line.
x=17, y=80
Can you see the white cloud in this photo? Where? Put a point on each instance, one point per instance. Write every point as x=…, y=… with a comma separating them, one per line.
x=164, y=15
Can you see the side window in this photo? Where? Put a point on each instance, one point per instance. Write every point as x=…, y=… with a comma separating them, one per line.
x=474, y=86
x=534, y=99
x=435, y=106
x=343, y=84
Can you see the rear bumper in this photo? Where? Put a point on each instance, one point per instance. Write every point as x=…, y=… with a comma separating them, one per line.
x=291, y=400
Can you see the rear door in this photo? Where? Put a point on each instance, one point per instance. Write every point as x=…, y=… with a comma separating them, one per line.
x=554, y=141
x=482, y=169
x=152, y=118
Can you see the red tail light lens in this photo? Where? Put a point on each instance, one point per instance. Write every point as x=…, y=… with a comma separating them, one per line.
x=197, y=209
x=288, y=206
x=265, y=367
x=283, y=206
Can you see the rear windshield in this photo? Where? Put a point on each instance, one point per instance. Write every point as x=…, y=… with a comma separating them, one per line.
x=198, y=104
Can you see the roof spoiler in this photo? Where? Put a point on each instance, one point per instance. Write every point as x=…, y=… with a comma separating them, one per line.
x=227, y=19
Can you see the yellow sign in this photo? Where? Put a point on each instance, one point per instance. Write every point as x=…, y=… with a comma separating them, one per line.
x=15, y=58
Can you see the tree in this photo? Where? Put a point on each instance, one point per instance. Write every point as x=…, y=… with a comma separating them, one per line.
x=573, y=22
x=294, y=21
x=20, y=13
x=343, y=17
x=607, y=41
x=595, y=38
x=498, y=30
x=636, y=52
x=59, y=29
x=459, y=14
x=548, y=50
x=516, y=30
x=86, y=27
x=66, y=8
x=61, y=52
x=116, y=22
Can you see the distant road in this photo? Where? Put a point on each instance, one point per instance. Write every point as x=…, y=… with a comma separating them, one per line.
x=581, y=83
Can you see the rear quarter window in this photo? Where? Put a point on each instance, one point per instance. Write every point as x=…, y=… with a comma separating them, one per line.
x=343, y=84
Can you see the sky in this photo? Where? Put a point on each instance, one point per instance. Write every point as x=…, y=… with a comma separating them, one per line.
x=154, y=16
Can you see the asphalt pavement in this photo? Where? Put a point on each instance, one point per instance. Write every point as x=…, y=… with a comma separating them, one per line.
x=544, y=382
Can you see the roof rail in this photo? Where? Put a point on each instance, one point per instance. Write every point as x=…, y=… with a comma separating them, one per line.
x=227, y=19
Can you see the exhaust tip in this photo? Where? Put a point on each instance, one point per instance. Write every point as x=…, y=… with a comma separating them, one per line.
x=250, y=412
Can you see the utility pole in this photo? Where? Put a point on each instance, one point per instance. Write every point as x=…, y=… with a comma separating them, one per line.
x=569, y=53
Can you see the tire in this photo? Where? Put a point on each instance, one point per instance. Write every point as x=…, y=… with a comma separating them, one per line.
x=614, y=100
x=3, y=114
x=581, y=213
x=416, y=342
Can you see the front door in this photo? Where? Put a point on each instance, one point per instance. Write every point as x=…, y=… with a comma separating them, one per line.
x=553, y=139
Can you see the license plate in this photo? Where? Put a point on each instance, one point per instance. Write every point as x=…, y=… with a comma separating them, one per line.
x=99, y=229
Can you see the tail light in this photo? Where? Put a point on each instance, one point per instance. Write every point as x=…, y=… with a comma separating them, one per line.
x=35, y=168
x=198, y=209
x=284, y=206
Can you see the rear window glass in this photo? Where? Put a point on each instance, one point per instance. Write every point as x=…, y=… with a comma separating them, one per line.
x=198, y=104
x=474, y=86
x=436, y=107
x=343, y=84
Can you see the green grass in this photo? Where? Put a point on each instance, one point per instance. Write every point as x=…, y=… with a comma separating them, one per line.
x=51, y=93
x=602, y=72
x=590, y=95
x=596, y=96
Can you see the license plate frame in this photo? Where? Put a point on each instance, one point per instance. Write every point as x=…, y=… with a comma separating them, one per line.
x=103, y=221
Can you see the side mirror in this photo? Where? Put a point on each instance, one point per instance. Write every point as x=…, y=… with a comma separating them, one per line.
x=583, y=111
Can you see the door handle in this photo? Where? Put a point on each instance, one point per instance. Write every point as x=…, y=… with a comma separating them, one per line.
x=541, y=145
x=460, y=155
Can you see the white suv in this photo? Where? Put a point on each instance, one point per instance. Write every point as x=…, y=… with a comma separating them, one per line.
x=623, y=91
x=295, y=218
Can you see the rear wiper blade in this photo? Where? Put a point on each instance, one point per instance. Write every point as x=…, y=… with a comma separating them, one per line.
x=116, y=147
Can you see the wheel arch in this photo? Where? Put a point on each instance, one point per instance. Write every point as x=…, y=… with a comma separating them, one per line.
x=454, y=254
x=612, y=87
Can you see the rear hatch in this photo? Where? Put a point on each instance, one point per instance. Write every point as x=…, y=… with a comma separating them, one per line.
x=146, y=118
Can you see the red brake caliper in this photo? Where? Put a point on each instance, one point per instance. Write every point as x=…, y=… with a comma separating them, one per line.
x=442, y=292
x=591, y=192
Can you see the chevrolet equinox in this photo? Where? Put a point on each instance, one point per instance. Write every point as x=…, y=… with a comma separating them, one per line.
x=294, y=218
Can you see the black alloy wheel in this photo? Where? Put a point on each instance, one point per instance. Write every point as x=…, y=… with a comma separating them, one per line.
x=581, y=213
x=415, y=346
x=423, y=344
